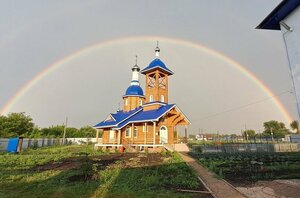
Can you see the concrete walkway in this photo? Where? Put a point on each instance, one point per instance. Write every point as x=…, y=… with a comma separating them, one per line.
x=220, y=188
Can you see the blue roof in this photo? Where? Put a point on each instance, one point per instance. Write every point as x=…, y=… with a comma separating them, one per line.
x=137, y=115
x=279, y=13
x=119, y=117
x=157, y=63
x=134, y=90
x=150, y=115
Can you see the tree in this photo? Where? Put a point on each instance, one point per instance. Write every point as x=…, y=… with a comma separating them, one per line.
x=72, y=132
x=16, y=124
x=249, y=133
x=88, y=131
x=2, y=121
x=53, y=131
x=295, y=126
x=277, y=128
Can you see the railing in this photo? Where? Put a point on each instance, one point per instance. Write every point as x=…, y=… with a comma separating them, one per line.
x=135, y=141
x=111, y=141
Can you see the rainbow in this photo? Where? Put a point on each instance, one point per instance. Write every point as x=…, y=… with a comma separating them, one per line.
x=197, y=46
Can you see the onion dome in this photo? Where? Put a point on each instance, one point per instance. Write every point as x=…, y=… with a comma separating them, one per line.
x=134, y=90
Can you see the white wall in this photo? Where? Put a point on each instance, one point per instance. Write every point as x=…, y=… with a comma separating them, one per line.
x=292, y=42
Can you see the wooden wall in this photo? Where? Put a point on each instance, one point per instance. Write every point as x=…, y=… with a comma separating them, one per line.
x=140, y=139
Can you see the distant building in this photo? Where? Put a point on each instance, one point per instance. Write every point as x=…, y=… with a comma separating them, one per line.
x=286, y=17
x=146, y=121
x=204, y=137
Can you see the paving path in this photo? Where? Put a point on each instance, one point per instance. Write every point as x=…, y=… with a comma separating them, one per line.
x=220, y=188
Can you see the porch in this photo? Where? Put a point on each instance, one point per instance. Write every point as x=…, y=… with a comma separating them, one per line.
x=130, y=145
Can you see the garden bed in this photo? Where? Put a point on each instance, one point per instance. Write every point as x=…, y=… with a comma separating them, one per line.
x=245, y=168
x=79, y=171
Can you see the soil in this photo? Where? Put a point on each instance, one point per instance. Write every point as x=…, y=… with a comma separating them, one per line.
x=127, y=160
x=76, y=178
x=66, y=164
x=270, y=189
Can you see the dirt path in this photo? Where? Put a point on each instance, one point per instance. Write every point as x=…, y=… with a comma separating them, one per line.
x=220, y=188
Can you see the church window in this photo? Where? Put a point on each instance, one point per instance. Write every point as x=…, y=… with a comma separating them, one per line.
x=151, y=98
x=111, y=134
x=135, y=132
x=126, y=102
x=141, y=102
x=127, y=132
x=162, y=98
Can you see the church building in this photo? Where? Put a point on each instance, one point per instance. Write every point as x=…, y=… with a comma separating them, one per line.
x=147, y=120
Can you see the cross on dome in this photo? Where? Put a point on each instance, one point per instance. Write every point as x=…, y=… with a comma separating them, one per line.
x=157, y=50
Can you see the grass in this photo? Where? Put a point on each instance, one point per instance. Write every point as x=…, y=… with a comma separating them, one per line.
x=25, y=175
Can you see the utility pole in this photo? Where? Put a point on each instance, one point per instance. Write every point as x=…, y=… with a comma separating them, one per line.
x=65, y=129
x=272, y=134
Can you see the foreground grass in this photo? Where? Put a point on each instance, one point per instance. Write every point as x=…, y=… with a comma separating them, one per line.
x=20, y=177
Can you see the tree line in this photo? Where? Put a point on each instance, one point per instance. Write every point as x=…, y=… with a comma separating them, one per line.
x=21, y=125
x=273, y=129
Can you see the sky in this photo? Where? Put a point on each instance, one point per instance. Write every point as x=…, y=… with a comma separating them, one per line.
x=90, y=47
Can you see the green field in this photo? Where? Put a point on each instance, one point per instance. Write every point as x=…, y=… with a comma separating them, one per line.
x=79, y=171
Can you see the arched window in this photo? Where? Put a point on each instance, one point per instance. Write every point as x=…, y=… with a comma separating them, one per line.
x=126, y=102
x=162, y=98
x=135, y=132
x=163, y=128
x=141, y=102
x=151, y=98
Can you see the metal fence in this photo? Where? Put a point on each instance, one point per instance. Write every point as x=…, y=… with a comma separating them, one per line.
x=44, y=142
x=248, y=147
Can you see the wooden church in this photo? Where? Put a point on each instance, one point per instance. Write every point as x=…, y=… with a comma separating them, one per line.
x=147, y=120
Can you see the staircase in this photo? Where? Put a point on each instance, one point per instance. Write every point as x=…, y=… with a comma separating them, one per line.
x=128, y=147
x=169, y=147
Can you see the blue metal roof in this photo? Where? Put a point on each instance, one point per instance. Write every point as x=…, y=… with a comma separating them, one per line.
x=151, y=115
x=157, y=63
x=137, y=115
x=134, y=90
x=119, y=117
x=271, y=22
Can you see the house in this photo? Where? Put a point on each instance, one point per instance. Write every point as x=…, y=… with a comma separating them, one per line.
x=285, y=17
x=147, y=121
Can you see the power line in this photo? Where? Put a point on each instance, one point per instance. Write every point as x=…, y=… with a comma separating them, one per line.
x=246, y=105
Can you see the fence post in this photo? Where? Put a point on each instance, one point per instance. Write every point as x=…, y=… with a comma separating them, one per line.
x=29, y=143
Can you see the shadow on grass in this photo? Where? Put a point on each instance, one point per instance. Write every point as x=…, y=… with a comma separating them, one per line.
x=144, y=180
x=46, y=183
x=113, y=176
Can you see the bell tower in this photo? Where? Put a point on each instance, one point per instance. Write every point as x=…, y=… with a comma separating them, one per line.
x=157, y=80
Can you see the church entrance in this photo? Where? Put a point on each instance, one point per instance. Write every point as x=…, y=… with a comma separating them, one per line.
x=163, y=135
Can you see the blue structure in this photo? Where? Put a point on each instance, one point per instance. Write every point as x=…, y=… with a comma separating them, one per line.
x=12, y=146
x=121, y=119
x=134, y=90
x=272, y=21
x=157, y=64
